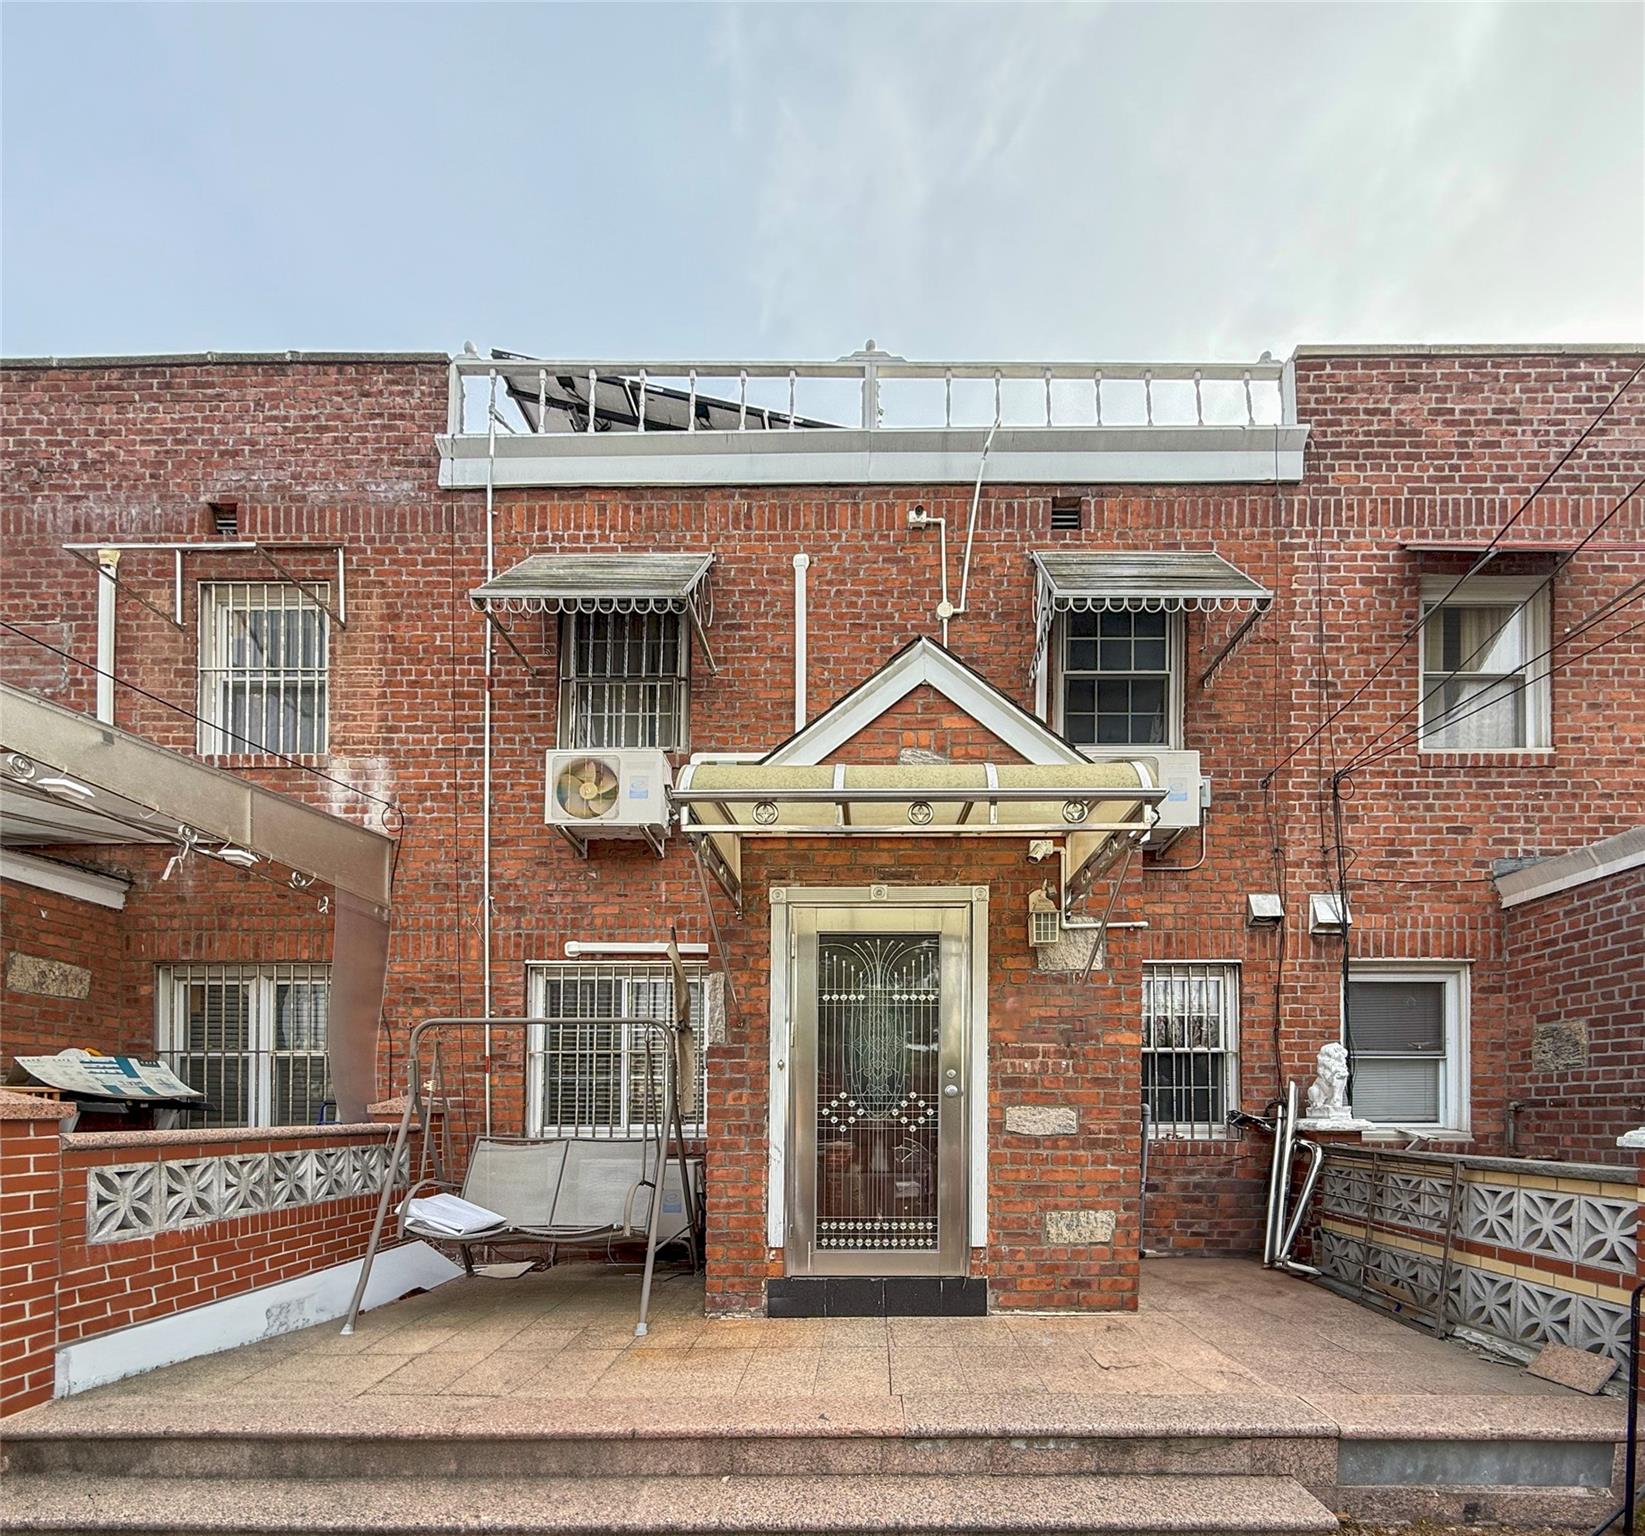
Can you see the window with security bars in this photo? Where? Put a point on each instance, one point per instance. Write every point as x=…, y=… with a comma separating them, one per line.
x=588, y=1074
x=1483, y=688
x=624, y=680
x=264, y=668
x=1190, y=1045
x=1118, y=685
x=1403, y=1031
x=251, y=1038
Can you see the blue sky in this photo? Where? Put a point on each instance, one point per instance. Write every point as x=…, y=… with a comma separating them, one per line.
x=1119, y=181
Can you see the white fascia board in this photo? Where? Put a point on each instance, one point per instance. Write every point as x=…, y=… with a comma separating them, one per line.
x=925, y=663
x=1614, y=856
x=67, y=880
x=1027, y=456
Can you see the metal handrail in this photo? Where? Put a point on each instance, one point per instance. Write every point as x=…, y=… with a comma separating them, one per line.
x=1630, y=1471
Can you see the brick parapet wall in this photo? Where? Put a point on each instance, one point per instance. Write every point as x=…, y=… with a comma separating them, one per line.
x=1576, y=1023
x=62, y=1286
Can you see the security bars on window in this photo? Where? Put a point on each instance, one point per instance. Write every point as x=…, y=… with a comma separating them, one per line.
x=623, y=680
x=588, y=1078
x=251, y=1038
x=263, y=669
x=1190, y=1039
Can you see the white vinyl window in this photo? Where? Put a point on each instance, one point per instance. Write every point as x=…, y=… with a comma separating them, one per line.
x=264, y=662
x=1118, y=683
x=1483, y=687
x=624, y=680
x=588, y=1075
x=1407, y=1029
x=252, y=1038
x=1190, y=1048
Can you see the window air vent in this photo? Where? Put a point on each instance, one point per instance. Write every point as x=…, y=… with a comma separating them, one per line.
x=1067, y=513
x=225, y=519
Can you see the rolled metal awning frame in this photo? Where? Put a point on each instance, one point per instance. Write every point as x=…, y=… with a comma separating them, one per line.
x=693, y=597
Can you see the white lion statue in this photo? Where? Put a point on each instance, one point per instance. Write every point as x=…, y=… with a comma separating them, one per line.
x=1328, y=1093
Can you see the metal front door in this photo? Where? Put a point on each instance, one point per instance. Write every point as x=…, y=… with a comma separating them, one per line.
x=877, y=1127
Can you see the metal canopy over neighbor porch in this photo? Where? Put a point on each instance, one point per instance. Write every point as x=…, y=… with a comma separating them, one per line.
x=161, y=795
x=603, y=583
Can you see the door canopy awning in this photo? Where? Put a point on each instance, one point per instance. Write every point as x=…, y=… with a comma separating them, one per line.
x=589, y=583
x=1091, y=805
x=1151, y=581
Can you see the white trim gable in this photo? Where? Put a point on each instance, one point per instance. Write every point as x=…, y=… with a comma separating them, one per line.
x=924, y=663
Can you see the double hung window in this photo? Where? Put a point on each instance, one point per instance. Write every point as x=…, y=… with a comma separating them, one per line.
x=1118, y=676
x=1190, y=1048
x=1407, y=1028
x=264, y=669
x=624, y=680
x=1484, y=672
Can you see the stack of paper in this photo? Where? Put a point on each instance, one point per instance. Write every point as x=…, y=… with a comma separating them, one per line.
x=452, y=1214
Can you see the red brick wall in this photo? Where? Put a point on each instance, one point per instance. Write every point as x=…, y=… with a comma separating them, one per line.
x=1577, y=958
x=1401, y=449
x=30, y=1185
x=45, y=925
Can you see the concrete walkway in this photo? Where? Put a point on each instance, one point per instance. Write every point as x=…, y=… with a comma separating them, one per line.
x=1226, y=1333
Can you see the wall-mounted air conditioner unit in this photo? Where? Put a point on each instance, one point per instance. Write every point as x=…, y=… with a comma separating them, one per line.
x=609, y=792
x=1177, y=773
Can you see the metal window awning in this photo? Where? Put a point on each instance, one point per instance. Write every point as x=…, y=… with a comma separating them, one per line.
x=1092, y=806
x=588, y=583
x=1152, y=581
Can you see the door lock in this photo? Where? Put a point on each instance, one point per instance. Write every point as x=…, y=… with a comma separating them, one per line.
x=951, y=1091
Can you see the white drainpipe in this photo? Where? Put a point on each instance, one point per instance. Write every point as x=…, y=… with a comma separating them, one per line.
x=108, y=594
x=485, y=780
x=801, y=562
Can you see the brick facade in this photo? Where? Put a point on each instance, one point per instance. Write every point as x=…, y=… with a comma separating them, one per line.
x=1403, y=449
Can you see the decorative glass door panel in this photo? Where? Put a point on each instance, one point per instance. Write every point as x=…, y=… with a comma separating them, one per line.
x=879, y=1086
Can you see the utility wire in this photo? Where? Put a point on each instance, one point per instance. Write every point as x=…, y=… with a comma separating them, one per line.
x=1473, y=569
x=1490, y=639
x=189, y=714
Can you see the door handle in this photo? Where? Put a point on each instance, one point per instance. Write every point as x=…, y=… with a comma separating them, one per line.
x=951, y=1091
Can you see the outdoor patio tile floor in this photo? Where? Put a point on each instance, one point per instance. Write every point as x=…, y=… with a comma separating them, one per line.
x=1218, y=1332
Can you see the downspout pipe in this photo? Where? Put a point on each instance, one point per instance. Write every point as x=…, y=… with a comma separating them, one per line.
x=802, y=563
x=108, y=594
x=485, y=750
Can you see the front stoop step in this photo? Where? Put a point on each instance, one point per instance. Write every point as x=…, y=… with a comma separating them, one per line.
x=637, y=1506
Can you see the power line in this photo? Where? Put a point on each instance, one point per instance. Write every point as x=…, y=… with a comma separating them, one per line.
x=1478, y=564
x=1518, y=607
x=1597, y=617
x=189, y=714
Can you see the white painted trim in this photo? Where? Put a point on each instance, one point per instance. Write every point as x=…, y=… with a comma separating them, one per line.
x=65, y=879
x=925, y=662
x=1614, y=856
x=1536, y=594
x=246, y=1318
x=782, y=904
x=1134, y=455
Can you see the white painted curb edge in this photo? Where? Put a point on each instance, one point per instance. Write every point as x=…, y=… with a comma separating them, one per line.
x=246, y=1318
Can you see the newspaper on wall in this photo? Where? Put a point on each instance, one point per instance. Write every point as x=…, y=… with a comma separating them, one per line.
x=128, y=1079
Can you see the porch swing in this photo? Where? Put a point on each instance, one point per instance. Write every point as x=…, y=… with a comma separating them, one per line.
x=546, y=1192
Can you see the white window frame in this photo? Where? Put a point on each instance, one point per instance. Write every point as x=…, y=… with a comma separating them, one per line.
x=1491, y=592
x=262, y=982
x=539, y=974
x=1175, y=654
x=218, y=601
x=1202, y=1130
x=1455, y=1107
x=674, y=734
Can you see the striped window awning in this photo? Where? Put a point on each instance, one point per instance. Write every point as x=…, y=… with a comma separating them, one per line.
x=589, y=583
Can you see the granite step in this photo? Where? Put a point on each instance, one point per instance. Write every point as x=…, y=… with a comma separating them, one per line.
x=638, y=1506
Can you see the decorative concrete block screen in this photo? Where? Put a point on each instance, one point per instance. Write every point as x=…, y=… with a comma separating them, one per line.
x=1525, y=1252
x=132, y=1200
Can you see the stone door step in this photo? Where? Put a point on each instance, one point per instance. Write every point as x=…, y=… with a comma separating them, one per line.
x=639, y=1506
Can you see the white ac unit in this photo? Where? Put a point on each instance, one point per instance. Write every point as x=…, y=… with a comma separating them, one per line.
x=609, y=792
x=1178, y=774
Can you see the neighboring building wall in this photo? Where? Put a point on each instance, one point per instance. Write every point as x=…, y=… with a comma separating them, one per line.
x=31, y=1198
x=66, y=977
x=1576, y=1047
x=1403, y=449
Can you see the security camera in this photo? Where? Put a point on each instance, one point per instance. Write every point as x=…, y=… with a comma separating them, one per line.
x=1040, y=849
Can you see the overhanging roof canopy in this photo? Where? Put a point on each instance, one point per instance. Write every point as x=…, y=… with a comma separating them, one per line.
x=1091, y=804
x=586, y=583
x=1156, y=580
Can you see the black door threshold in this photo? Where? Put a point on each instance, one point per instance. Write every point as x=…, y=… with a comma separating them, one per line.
x=876, y=1296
